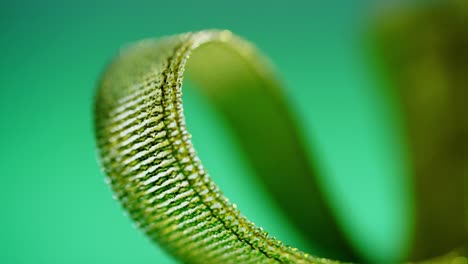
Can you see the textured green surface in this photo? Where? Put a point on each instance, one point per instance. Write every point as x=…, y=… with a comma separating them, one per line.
x=56, y=207
x=147, y=152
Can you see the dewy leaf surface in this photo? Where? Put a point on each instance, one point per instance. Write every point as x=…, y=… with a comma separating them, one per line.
x=147, y=153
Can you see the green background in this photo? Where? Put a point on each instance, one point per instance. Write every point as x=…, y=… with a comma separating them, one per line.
x=56, y=207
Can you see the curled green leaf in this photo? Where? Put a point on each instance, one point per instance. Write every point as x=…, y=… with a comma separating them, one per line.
x=147, y=153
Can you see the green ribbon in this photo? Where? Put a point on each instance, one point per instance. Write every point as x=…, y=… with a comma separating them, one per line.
x=147, y=153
